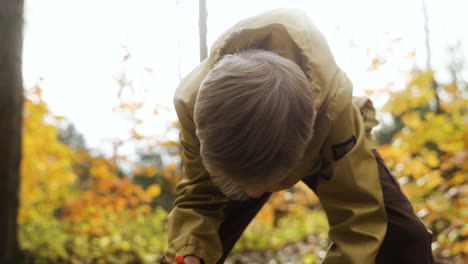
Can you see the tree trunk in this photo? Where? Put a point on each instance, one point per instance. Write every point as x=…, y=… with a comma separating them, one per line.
x=203, y=28
x=435, y=85
x=11, y=104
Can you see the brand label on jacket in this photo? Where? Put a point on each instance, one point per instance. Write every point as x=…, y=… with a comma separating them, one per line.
x=339, y=150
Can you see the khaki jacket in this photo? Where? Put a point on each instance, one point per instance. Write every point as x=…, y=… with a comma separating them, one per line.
x=339, y=154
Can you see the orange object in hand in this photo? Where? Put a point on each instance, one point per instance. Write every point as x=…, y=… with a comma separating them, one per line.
x=179, y=260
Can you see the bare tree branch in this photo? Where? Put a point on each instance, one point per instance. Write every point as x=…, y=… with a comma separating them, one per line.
x=437, y=109
x=426, y=31
x=203, y=29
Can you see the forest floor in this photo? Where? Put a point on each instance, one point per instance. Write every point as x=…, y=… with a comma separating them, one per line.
x=309, y=251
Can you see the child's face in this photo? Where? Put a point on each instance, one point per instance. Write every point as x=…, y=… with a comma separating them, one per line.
x=255, y=192
x=243, y=192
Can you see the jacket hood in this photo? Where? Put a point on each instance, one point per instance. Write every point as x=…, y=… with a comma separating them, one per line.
x=291, y=34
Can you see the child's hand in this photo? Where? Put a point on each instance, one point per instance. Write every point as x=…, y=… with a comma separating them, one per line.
x=192, y=260
x=188, y=260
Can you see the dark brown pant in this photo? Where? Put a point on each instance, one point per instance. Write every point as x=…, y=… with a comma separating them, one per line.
x=407, y=240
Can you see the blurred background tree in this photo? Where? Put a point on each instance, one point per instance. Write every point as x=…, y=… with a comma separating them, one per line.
x=425, y=142
x=428, y=152
x=11, y=103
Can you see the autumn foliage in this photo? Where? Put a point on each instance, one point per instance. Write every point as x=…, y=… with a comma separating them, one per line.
x=81, y=207
x=46, y=168
x=78, y=207
x=429, y=155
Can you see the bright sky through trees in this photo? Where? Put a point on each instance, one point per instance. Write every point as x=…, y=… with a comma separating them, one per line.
x=76, y=46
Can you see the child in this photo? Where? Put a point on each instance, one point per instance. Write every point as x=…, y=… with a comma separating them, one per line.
x=267, y=109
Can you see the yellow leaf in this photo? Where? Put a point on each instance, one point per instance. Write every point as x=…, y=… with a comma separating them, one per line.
x=153, y=190
x=432, y=159
x=150, y=171
x=412, y=119
x=138, y=170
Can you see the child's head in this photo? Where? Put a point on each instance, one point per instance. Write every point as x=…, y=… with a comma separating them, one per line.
x=254, y=117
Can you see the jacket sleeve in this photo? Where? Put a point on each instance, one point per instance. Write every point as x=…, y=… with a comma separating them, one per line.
x=349, y=188
x=198, y=210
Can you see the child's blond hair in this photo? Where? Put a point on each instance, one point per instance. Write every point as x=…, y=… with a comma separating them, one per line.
x=254, y=116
